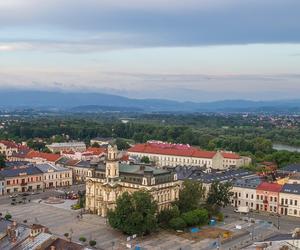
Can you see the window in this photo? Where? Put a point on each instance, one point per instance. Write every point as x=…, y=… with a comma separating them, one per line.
x=247, y=195
x=275, y=199
x=275, y=209
x=295, y=202
x=252, y=196
x=282, y=201
x=286, y=201
x=295, y=212
x=291, y=202
x=271, y=198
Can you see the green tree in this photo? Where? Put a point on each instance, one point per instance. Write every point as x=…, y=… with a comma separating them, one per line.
x=82, y=239
x=165, y=215
x=95, y=145
x=134, y=213
x=190, y=196
x=219, y=195
x=122, y=144
x=177, y=223
x=2, y=160
x=195, y=217
x=145, y=159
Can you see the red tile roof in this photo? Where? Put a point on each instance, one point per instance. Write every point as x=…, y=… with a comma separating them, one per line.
x=9, y=144
x=177, y=149
x=96, y=151
x=47, y=156
x=272, y=187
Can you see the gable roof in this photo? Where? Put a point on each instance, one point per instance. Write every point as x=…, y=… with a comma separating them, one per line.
x=272, y=187
x=42, y=155
x=178, y=150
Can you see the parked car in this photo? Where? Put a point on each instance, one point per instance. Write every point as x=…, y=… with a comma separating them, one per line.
x=13, y=195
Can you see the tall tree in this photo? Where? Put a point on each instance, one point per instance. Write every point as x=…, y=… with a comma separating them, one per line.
x=2, y=160
x=190, y=196
x=134, y=213
x=219, y=195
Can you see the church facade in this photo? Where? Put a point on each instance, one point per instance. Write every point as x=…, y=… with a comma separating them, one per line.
x=106, y=183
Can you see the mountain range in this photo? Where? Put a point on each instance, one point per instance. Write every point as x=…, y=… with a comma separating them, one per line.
x=98, y=102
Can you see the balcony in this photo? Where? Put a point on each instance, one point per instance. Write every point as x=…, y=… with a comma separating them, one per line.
x=265, y=201
x=23, y=183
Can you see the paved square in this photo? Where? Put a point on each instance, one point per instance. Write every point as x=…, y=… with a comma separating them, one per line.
x=61, y=220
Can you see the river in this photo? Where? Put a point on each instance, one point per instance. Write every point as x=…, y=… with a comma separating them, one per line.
x=278, y=146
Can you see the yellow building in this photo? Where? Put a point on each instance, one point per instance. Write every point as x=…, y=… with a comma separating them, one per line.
x=106, y=182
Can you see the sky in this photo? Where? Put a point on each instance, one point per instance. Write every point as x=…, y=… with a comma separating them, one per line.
x=192, y=50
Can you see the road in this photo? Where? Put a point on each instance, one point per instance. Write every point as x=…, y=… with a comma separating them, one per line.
x=5, y=199
x=286, y=223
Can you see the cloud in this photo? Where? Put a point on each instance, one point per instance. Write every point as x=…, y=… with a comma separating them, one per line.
x=152, y=23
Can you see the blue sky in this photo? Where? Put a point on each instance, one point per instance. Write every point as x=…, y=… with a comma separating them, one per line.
x=197, y=50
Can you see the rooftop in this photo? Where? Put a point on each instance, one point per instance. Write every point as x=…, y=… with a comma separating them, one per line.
x=46, y=167
x=292, y=168
x=68, y=144
x=140, y=169
x=42, y=155
x=250, y=183
x=291, y=188
x=196, y=173
x=154, y=147
x=17, y=171
x=272, y=187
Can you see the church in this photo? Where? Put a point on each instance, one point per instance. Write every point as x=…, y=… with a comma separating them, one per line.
x=105, y=183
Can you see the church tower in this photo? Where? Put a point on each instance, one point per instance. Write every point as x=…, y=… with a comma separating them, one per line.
x=112, y=163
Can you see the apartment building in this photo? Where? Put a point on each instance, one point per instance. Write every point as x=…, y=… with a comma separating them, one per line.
x=55, y=176
x=267, y=197
x=8, y=148
x=244, y=192
x=22, y=179
x=289, y=198
x=167, y=154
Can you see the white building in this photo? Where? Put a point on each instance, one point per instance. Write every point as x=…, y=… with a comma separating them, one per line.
x=64, y=146
x=55, y=176
x=289, y=198
x=166, y=154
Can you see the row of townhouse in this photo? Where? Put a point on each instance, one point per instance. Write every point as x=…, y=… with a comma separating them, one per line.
x=34, y=177
x=268, y=197
x=167, y=154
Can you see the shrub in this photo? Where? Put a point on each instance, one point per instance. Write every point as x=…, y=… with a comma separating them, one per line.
x=177, y=223
x=202, y=215
x=92, y=243
x=166, y=215
x=82, y=239
x=220, y=217
x=191, y=218
x=7, y=216
x=66, y=235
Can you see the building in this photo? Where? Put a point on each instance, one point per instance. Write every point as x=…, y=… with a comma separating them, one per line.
x=16, y=236
x=102, y=141
x=294, y=179
x=55, y=176
x=244, y=192
x=22, y=179
x=8, y=148
x=106, y=182
x=57, y=147
x=92, y=153
x=267, y=197
x=207, y=177
x=166, y=154
x=289, y=198
x=40, y=157
x=291, y=169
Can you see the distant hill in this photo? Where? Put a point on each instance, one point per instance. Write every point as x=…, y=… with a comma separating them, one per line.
x=98, y=102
